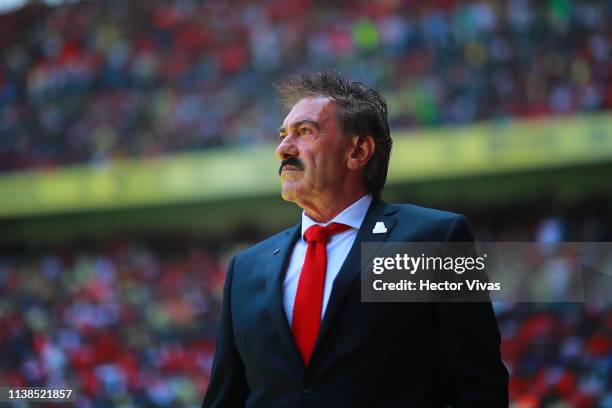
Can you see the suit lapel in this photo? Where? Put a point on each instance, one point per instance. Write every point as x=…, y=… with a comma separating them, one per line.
x=278, y=262
x=351, y=268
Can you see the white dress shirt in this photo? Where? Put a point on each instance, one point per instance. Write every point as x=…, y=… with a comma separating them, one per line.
x=337, y=249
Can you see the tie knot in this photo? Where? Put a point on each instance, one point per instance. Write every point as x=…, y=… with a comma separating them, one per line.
x=317, y=233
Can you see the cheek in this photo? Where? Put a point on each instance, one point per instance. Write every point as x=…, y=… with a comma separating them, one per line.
x=327, y=169
x=333, y=158
x=323, y=165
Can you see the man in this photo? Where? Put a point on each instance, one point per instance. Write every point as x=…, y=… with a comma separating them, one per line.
x=293, y=330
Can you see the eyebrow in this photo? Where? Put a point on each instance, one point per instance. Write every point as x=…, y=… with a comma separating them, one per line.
x=299, y=123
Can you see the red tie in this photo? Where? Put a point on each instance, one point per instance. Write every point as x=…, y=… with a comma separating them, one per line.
x=309, y=296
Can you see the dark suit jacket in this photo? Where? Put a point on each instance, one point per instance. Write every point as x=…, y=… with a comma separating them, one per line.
x=366, y=354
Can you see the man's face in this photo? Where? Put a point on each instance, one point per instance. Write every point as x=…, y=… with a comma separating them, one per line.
x=312, y=151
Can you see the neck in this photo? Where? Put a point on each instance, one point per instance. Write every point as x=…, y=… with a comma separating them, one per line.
x=327, y=207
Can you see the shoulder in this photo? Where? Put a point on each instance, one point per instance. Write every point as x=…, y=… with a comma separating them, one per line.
x=423, y=216
x=415, y=212
x=430, y=223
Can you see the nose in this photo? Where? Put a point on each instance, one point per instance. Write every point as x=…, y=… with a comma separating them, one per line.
x=287, y=148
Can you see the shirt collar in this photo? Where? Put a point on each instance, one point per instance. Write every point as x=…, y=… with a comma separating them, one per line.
x=353, y=215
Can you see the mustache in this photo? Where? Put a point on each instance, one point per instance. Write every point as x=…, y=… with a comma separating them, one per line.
x=292, y=161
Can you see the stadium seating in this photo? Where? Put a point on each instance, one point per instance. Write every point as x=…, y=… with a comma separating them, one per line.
x=92, y=81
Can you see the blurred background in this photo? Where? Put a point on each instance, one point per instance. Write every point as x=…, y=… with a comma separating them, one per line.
x=137, y=157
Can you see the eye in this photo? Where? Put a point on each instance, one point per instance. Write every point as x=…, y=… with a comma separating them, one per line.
x=282, y=136
x=304, y=130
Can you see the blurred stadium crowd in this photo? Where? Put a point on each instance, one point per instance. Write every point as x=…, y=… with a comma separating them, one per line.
x=91, y=81
x=132, y=323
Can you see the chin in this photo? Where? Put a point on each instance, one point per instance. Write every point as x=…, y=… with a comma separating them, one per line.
x=290, y=193
x=287, y=194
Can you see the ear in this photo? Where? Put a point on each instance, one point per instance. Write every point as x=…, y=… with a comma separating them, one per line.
x=360, y=151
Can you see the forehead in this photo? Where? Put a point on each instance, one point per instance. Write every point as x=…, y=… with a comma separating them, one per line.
x=317, y=108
